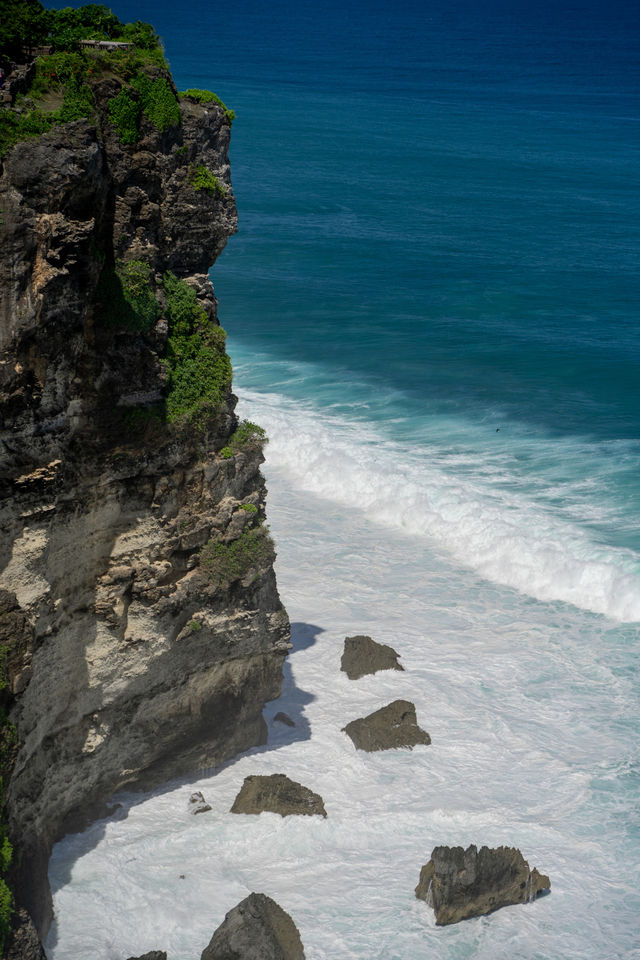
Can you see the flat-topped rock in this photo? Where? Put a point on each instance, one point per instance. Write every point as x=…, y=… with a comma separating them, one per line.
x=363, y=656
x=277, y=794
x=392, y=726
x=460, y=883
x=256, y=929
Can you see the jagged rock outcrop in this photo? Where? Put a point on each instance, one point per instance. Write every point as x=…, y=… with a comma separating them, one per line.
x=387, y=728
x=130, y=662
x=277, y=794
x=24, y=943
x=256, y=929
x=460, y=883
x=363, y=656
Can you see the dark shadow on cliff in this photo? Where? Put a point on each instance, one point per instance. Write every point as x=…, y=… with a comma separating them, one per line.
x=292, y=702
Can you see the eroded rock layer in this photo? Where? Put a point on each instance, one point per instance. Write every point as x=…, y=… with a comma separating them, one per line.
x=129, y=660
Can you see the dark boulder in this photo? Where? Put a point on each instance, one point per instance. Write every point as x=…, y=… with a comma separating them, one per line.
x=256, y=929
x=284, y=718
x=152, y=955
x=277, y=794
x=363, y=656
x=460, y=883
x=392, y=726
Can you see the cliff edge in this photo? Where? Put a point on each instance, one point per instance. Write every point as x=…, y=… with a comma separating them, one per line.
x=141, y=630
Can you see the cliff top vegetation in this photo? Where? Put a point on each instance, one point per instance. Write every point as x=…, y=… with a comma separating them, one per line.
x=26, y=25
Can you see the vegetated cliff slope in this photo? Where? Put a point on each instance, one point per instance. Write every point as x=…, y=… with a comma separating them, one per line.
x=140, y=624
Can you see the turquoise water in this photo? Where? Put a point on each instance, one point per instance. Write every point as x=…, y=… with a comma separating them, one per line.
x=432, y=306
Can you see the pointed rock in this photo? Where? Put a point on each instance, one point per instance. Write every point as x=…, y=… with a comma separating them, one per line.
x=460, y=883
x=277, y=794
x=392, y=726
x=197, y=803
x=363, y=656
x=256, y=929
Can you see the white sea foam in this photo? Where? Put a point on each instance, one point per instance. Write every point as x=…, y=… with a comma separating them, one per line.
x=525, y=703
x=506, y=535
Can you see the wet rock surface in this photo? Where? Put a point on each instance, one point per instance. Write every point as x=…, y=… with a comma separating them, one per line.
x=256, y=929
x=362, y=655
x=197, y=803
x=277, y=794
x=23, y=942
x=285, y=719
x=460, y=883
x=152, y=955
x=392, y=726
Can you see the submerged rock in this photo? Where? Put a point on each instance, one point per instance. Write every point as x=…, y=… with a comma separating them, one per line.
x=277, y=794
x=197, y=803
x=363, y=656
x=284, y=718
x=152, y=955
x=392, y=726
x=256, y=929
x=460, y=883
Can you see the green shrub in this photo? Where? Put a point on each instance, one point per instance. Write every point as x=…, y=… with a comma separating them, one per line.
x=158, y=101
x=201, y=178
x=207, y=96
x=154, y=98
x=245, y=436
x=125, y=293
x=227, y=562
x=6, y=910
x=124, y=114
x=198, y=368
x=249, y=508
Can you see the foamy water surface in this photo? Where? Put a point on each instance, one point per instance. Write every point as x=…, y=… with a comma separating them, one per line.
x=532, y=711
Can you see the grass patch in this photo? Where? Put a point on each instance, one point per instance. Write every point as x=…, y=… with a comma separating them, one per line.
x=65, y=76
x=154, y=98
x=198, y=368
x=247, y=435
x=201, y=178
x=208, y=96
x=227, y=562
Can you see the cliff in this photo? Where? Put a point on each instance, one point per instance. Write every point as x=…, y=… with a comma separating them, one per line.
x=140, y=625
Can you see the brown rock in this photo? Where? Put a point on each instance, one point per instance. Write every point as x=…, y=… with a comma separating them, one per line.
x=363, y=656
x=460, y=883
x=277, y=794
x=392, y=726
x=256, y=929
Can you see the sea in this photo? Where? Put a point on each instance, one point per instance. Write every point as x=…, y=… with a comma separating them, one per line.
x=432, y=307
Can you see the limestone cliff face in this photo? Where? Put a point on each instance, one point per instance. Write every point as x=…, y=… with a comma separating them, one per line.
x=127, y=661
